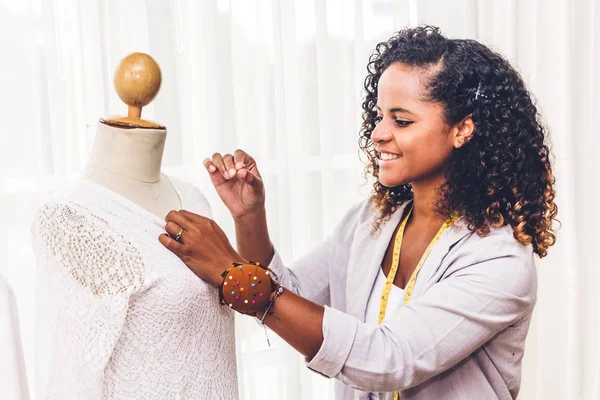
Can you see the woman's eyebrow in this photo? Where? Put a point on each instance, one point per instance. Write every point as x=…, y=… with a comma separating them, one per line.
x=396, y=109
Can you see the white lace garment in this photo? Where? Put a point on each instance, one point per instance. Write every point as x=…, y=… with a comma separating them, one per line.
x=118, y=315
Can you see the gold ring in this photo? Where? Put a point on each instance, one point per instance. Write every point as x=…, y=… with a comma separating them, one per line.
x=178, y=237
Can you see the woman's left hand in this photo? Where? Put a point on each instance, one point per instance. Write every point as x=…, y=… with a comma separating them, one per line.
x=203, y=246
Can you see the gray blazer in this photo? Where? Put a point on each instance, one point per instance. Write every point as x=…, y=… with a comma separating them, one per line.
x=460, y=337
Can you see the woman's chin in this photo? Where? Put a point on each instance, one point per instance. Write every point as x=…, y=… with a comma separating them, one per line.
x=390, y=181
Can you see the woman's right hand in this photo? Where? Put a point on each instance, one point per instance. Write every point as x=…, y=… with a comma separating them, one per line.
x=238, y=182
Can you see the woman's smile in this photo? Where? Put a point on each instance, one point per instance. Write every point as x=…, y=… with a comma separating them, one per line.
x=387, y=159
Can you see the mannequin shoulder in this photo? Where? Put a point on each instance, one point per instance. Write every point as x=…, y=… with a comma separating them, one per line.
x=192, y=197
x=69, y=225
x=69, y=238
x=66, y=208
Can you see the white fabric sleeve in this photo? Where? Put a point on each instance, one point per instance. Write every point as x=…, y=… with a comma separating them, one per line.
x=85, y=277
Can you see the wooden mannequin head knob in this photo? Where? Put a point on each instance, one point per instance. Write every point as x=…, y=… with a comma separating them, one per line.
x=137, y=82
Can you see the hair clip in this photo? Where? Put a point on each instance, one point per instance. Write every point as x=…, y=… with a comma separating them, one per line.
x=478, y=93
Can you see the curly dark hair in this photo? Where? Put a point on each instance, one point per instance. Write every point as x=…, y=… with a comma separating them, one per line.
x=503, y=175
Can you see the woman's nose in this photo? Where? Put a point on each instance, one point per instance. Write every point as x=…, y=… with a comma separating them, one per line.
x=380, y=133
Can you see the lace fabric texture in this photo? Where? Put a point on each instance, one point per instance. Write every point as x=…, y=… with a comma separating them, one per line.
x=118, y=315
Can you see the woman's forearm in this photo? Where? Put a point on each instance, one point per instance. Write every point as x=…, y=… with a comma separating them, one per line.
x=298, y=321
x=252, y=237
x=295, y=319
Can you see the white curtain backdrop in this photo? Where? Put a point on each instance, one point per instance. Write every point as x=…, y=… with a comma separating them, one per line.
x=282, y=79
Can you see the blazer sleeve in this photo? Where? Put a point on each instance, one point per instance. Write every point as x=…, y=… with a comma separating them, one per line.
x=310, y=275
x=435, y=331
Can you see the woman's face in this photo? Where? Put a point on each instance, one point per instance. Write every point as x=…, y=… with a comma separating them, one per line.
x=411, y=137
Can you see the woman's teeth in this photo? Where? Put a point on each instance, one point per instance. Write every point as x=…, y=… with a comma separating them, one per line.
x=388, y=156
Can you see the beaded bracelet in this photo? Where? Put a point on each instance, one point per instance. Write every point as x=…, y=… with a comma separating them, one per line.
x=277, y=293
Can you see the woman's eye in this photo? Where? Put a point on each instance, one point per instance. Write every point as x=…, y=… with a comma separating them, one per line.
x=402, y=123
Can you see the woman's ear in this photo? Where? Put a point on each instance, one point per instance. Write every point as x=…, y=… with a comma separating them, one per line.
x=463, y=131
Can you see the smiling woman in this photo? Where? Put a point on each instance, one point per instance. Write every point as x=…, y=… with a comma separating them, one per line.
x=412, y=136
x=298, y=117
x=427, y=97
x=426, y=290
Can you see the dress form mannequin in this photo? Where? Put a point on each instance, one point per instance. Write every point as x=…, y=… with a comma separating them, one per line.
x=127, y=153
x=118, y=316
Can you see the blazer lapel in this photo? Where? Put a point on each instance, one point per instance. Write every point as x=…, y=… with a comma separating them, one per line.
x=366, y=256
x=435, y=258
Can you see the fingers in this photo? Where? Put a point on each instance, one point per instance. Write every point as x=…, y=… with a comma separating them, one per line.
x=216, y=176
x=174, y=230
x=249, y=178
x=195, y=218
x=186, y=220
x=226, y=164
x=209, y=165
x=180, y=219
x=217, y=160
x=200, y=225
x=171, y=244
x=241, y=159
x=229, y=165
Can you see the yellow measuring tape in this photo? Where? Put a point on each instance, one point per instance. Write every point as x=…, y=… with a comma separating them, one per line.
x=387, y=288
